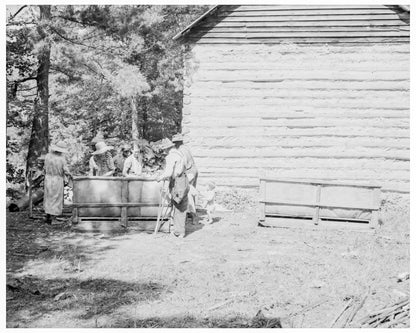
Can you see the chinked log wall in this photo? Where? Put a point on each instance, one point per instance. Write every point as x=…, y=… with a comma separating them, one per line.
x=299, y=92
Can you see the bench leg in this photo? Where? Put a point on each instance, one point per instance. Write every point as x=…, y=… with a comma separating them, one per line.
x=262, y=218
x=123, y=219
x=316, y=216
x=374, y=219
x=75, y=216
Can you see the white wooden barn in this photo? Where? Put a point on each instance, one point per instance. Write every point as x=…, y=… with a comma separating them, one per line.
x=299, y=92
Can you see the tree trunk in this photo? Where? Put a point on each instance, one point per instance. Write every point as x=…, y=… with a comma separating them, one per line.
x=145, y=120
x=39, y=139
x=134, y=120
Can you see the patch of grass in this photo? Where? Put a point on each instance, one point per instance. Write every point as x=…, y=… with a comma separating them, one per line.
x=236, y=199
x=194, y=322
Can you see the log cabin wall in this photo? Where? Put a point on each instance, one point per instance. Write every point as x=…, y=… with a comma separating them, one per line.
x=299, y=92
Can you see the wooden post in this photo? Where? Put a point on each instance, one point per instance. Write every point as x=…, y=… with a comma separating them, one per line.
x=262, y=200
x=30, y=194
x=318, y=202
x=376, y=212
x=75, y=216
x=75, y=211
x=124, y=198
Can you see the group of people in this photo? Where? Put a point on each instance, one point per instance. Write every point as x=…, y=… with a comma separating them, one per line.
x=127, y=163
x=180, y=174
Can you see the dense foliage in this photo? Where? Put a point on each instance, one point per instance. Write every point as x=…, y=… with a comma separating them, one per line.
x=113, y=69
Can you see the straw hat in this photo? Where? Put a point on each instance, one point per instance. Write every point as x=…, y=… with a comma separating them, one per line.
x=60, y=147
x=177, y=138
x=211, y=184
x=101, y=148
x=136, y=149
x=126, y=147
x=98, y=138
x=166, y=144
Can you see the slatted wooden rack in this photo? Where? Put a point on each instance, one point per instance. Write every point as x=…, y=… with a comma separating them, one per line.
x=319, y=200
x=115, y=198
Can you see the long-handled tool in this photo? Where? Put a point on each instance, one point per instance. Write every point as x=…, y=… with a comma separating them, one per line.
x=163, y=209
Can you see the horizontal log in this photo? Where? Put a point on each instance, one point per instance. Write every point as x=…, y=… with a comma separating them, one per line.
x=299, y=34
x=297, y=84
x=285, y=131
x=277, y=7
x=339, y=63
x=346, y=152
x=219, y=52
x=301, y=93
x=250, y=59
x=271, y=28
x=304, y=18
x=313, y=73
x=303, y=162
x=298, y=123
x=292, y=113
x=283, y=102
x=259, y=141
x=350, y=23
x=336, y=11
x=270, y=110
x=235, y=102
x=302, y=7
x=321, y=173
x=305, y=41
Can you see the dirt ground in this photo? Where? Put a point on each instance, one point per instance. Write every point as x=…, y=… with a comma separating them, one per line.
x=220, y=275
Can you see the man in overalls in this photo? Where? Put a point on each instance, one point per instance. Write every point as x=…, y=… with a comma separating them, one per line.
x=191, y=172
x=178, y=186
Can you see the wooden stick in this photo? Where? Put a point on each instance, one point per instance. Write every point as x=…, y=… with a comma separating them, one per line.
x=389, y=311
x=311, y=307
x=399, y=319
x=384, y=316
x=341, y=313
x=357, y=308
x=160, y=210
x=381, y=311
x=219, y=305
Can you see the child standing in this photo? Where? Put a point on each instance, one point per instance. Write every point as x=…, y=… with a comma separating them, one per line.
x=209, y=204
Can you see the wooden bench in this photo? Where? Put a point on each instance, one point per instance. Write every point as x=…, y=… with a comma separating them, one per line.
x=108, y=200
x=319, y=200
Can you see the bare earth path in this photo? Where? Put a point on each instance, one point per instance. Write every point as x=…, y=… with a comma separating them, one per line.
x=220, y=275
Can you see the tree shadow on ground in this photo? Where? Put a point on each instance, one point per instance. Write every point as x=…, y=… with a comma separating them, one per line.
x=200, y=222
x=31, y=298
x=28, y=239
x=258, y=321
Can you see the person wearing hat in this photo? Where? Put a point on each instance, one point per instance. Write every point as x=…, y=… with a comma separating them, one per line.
x=101, y=163
x=37, y=173
x=132, y=164
x=55, y=171
x=120, y=159
x=178, y=185
x=191, y=172
x=191, y=169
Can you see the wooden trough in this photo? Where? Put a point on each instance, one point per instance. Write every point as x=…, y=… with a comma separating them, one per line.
x=325, y=203
x=110, y=203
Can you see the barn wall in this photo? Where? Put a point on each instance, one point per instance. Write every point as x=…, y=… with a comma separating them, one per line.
x=274, y=24
x=299, y=111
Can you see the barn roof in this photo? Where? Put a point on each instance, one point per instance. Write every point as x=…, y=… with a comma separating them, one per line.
x=195, y=23
x=214, y=9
